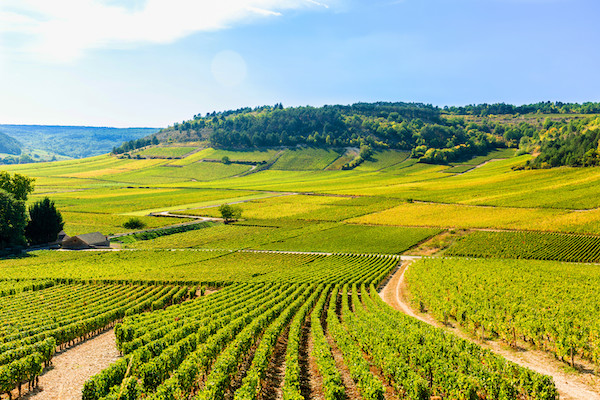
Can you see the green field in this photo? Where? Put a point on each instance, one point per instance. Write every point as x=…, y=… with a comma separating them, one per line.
x=531, y=245
x=195, y=266
x=552, y=305
x=166, y=152
x=306, y=159
x=356, y=239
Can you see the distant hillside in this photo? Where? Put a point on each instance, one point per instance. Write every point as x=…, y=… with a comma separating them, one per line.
x=9, y=145
x=432, y=134
x=72, y=141
x=405, y=126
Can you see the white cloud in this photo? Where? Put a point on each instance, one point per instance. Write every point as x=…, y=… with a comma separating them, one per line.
x=62, y=30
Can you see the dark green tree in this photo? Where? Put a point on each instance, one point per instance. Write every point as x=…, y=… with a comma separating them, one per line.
x=230, y=213
x=134, y=223
x=45, y=222
x=13, y=219
x=18, y=185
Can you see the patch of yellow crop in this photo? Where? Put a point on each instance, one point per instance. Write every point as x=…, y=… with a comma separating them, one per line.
x=464, y=216
x=134, y=165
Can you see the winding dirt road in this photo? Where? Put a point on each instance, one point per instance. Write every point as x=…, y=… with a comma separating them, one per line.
x=570, y=385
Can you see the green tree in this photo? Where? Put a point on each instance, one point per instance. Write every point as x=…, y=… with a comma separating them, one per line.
x=18, y=185
x=13, y=219
x=45, y=222
x=230, y=213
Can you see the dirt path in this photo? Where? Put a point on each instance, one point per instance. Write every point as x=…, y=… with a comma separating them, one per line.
x=74, y=366
x=273, y=383
x=571, y=385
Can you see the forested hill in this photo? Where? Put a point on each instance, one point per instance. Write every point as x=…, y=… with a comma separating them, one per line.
x=407, y=126
x=381, y=124
x=433, y=134
x=9, y=145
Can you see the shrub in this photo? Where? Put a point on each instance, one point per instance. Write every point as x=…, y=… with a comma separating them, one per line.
x=134, y=223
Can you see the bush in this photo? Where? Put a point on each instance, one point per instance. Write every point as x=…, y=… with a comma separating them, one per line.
x=134, y=223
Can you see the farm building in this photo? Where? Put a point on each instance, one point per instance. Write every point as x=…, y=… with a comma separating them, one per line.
x=86, y=241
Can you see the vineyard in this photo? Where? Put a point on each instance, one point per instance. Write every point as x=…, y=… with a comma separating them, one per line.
x=36, y=323
x=220, y=346
x=530, y=245
x=291, y=308
x=211, y=268
x=317, y=311
x=550, y=305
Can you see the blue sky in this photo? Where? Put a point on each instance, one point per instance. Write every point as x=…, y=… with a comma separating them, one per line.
x=154, y=62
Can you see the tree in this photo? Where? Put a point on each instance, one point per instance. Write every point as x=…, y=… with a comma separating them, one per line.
x=45, y=222
x=18, y=185
x=230, y=213
x=13, y=218
x=225, y=160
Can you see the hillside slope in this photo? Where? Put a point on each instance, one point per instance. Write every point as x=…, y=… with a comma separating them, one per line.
x=73, y=141
x=9, y=145
x=434, y=135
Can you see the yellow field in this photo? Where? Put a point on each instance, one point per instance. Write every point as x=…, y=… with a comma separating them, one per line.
x=464, y=216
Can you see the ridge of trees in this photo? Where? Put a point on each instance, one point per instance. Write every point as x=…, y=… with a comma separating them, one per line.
x=378, y=125
x=560, y=143
x=432, y=134
x=544, y=107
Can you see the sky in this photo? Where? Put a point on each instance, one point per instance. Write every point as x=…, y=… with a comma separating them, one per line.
x=151, y=63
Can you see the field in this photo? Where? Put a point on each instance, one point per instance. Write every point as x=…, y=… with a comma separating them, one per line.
x=306, y=159
x=537, y=246
x=166, y=152
x=293, y=284
x=213, y=268
x=248, y=319
x=551, y=305
x=305, y=208
x=247, y=156
x=485, y=217
x=356, y=238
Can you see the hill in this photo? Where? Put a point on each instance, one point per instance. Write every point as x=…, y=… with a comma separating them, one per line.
x=433, y=135
x=9, y=145
x=71, y=141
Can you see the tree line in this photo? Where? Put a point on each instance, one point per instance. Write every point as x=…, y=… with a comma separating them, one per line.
x=545, y=107
x=20, y=226
x=432, y=134
x=382, y=125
